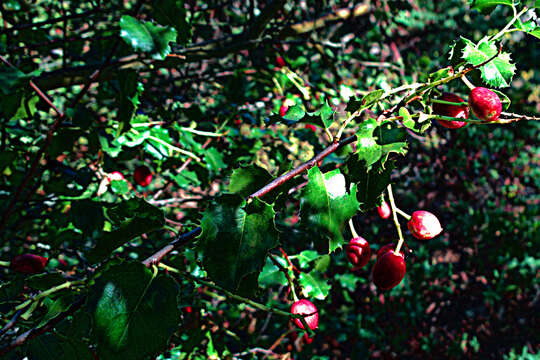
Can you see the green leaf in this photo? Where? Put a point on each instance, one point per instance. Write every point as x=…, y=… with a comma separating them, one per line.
x=536, y=33
x=87, y=215
x=367, y=101
x=248, y=179
x=313, y=285
x=326, y=207
x=499, y=71
x=295, y=113
x=483, y=4
x=371, y=148
x=173, y=13
x=11, y=79
x=147, y=37
x=370, y=181
x=214, y=159
x=53, y=347
x=306, y=257
x=135, y=313
x=132, y=218
x=235, y=240
x=271, y=274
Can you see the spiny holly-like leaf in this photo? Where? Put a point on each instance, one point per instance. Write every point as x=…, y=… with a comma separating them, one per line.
x=147, y=37
x=173, y=13
x=131, y=218
x=326, y=208
x=314, y=285
x=235, y=240
x=370, y=181
x=296, y=114
x=11, y=78
x=499, y=71
x=370, y=147
x=248, y=179
x=134, y=312
x=271, y=274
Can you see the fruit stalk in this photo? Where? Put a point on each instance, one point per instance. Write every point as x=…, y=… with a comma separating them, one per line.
x=395, y=218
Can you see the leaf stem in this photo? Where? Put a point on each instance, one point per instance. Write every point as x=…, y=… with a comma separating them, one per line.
x=353, y=231
x=449, y=102
x=512, y=21
x=403, y=213
x=172, y=147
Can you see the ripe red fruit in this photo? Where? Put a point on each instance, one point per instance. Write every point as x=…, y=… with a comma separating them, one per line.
x=305, y=307
x=424, y=225
x=308, y=339
x=384, y=210
x=280, y=62
x=485, y=104
x=311, y=127
x=143, y=176
x=283, y=110
x=116, y=175
x=28, y=263
x=389, y=269
x=358, y=252
x=451, y=110
x=384, y=249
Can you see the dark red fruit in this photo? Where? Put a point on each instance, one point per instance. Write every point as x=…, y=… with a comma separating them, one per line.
x=283, y=110
x=485, y=104
x=29, y=263
x=451, y=110
x=143, y=176
x=311, y=127
x=280, y=62
x=358, y=252
x=308, y=339
x=305, y=307
x=424, y=225
x=389, y=270
x=386, y=248
x=384, y=210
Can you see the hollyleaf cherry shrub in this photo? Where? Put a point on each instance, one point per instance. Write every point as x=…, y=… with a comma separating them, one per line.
x=176, y=98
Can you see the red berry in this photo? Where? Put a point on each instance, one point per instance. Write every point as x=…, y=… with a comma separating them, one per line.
x=116, y=175
x=143, y=176
x=389, y=270
x=358, y=252
x=485, y=104
x=384, y=210
x=187, y=309
x=451, y=110
x=280, y=62
x=283, y=110
x=308, y=339
x=424, y=225
x=386, y=248
x=305, y=307
x=311, y=127
x=29, y=263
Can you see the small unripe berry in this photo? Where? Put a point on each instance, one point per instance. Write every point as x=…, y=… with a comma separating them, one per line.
x=28, y=263
x=389, y=270
x=143, y=176
x=305, y=307
x=384, y=210
x=358, y=252
x=485, y=104
x=116, y=175
x=451, y=110
x=424, y=225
